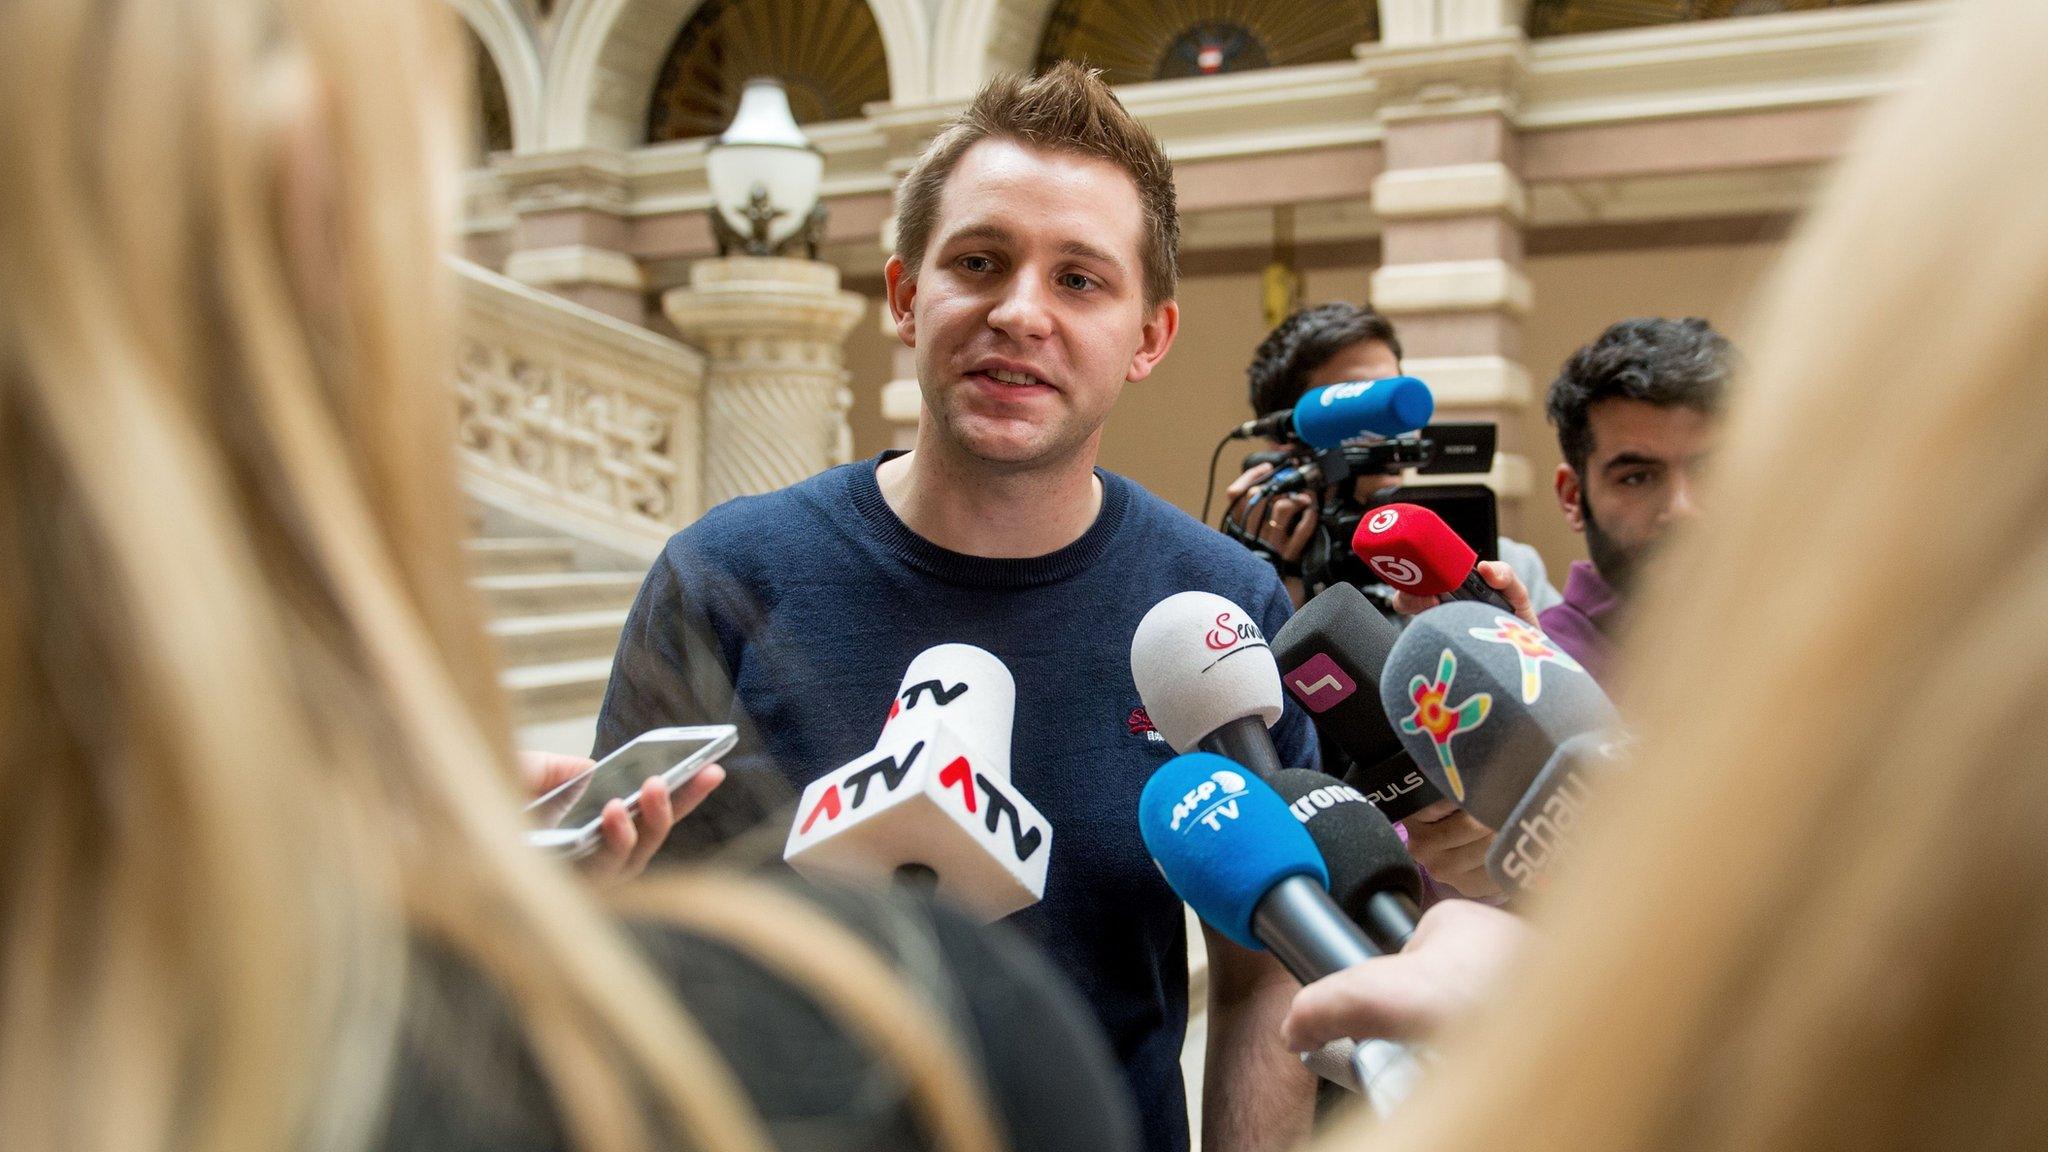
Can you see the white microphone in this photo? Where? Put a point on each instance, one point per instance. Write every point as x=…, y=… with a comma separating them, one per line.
x=1208, y=679
x=933, y=800
x=969, y=688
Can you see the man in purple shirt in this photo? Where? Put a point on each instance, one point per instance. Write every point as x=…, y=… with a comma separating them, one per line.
x=1635, y=413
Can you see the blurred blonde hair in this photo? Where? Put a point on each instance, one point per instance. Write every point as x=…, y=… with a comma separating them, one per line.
x=252, y=748
x=1813, y=917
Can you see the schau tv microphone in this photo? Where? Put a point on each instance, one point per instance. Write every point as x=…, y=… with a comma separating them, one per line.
x=1483, y=700
x=1539, y=836
x=1412, y=549
x=1331, y=653
x=1328, y=416
x=1208, y=680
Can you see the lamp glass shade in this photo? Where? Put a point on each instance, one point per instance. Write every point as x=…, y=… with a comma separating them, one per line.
x=764, y=147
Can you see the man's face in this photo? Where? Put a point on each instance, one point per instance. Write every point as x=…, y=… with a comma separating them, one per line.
x=1028, y=313
x=1640, y=482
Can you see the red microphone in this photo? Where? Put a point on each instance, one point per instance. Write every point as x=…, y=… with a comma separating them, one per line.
x=1412, y=549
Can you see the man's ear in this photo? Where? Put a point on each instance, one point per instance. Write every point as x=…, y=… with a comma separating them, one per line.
x=902, y=292
x=1154, y=339
x=1569, y=496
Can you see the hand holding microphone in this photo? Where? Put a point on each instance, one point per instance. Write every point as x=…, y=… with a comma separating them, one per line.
x=1458, y=953
x=1425, y=560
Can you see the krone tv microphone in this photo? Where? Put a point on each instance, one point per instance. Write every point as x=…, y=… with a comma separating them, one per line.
x=1372, y=877
x=1411, y=548
x=1538, y=837
x=1208, y=680
x=932, y=801
x=1331, y=653
x=1328, y=416
x=1483, y=699
x=1229, y=847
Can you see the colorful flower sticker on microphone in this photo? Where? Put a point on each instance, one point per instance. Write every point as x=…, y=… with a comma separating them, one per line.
x=1442, y=721
x=1532, y=646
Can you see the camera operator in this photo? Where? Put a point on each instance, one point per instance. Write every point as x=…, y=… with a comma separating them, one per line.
x=1332, y=344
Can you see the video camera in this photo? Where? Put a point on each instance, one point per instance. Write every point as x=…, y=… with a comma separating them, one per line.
x=1333, y=475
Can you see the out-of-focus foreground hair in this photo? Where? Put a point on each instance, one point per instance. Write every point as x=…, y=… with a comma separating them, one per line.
x=252, y=749
x=1812, y=917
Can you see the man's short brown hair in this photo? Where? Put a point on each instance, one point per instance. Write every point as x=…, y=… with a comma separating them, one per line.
x=1066, y=108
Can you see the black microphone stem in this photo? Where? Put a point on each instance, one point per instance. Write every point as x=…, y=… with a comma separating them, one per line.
x=1389, y=920
x=1308, y=944
x=1246, y=741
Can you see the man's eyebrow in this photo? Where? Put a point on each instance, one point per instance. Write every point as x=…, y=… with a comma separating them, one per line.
x=1633, y=460
x=996, y=233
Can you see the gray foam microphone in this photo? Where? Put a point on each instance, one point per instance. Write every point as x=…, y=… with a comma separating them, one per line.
x=1483, y=700
x=1540, y=835
x=1208, y=679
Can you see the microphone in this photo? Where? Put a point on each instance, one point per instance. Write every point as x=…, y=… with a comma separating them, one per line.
x=1208, y=679
x=1411, y=548
x=964, y=685
x=932, y=804
x=1483, y=700
x=1331, y=653
x=1372, y=877
x=1540, y=834
x=1326, y=417
x=1228, y=846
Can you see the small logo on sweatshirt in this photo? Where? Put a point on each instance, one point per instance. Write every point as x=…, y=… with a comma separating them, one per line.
x=1141, y=725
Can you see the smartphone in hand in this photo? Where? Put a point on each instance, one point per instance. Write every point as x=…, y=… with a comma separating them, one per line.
x=569, y=816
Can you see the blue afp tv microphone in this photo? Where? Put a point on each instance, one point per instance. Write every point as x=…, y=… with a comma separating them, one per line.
x=1229, y=846
x=1326, y=417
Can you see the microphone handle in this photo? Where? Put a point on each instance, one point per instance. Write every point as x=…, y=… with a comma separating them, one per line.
x=1390, y=920
x=1307, y=932
x=1246, y=741
x=1476, y=588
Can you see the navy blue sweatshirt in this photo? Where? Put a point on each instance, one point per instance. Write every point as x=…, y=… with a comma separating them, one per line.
x=794, y=615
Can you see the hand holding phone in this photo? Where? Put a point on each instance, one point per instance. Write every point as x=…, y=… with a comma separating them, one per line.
x=615, y=813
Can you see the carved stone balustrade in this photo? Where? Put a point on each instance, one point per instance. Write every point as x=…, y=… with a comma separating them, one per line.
x=575, y=417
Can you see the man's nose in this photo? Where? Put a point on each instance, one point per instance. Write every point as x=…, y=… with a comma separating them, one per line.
x=1025, y=310
x=1684, y=504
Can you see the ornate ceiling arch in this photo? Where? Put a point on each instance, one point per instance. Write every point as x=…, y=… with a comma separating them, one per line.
x=827, y=53
x=511, y=59
x=608, y=54
x=1133, y=41
x=1563, y=17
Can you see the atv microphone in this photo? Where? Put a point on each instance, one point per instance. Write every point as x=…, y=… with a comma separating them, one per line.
x=1411, y=548
x=1328, y=416
x=1483, y=700
x=1372, y=877
x=1208, y=680
x=1228, y=845
x=966, y=686
x=1539, y=836
x=932, y=804
x=1331, y=654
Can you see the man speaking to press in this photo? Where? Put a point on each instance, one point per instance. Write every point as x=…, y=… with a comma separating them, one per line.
x=1034, y=276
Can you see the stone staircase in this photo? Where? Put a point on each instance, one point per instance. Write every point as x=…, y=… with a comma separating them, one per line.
x=556, y=611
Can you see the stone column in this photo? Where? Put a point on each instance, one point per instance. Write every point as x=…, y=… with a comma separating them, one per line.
x=570, y=230
x=1454, y=206
x=775, y=395
x=902, y=399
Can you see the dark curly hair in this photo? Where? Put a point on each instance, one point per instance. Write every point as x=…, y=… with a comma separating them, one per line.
x=1668, y=363
x=1306, y=341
